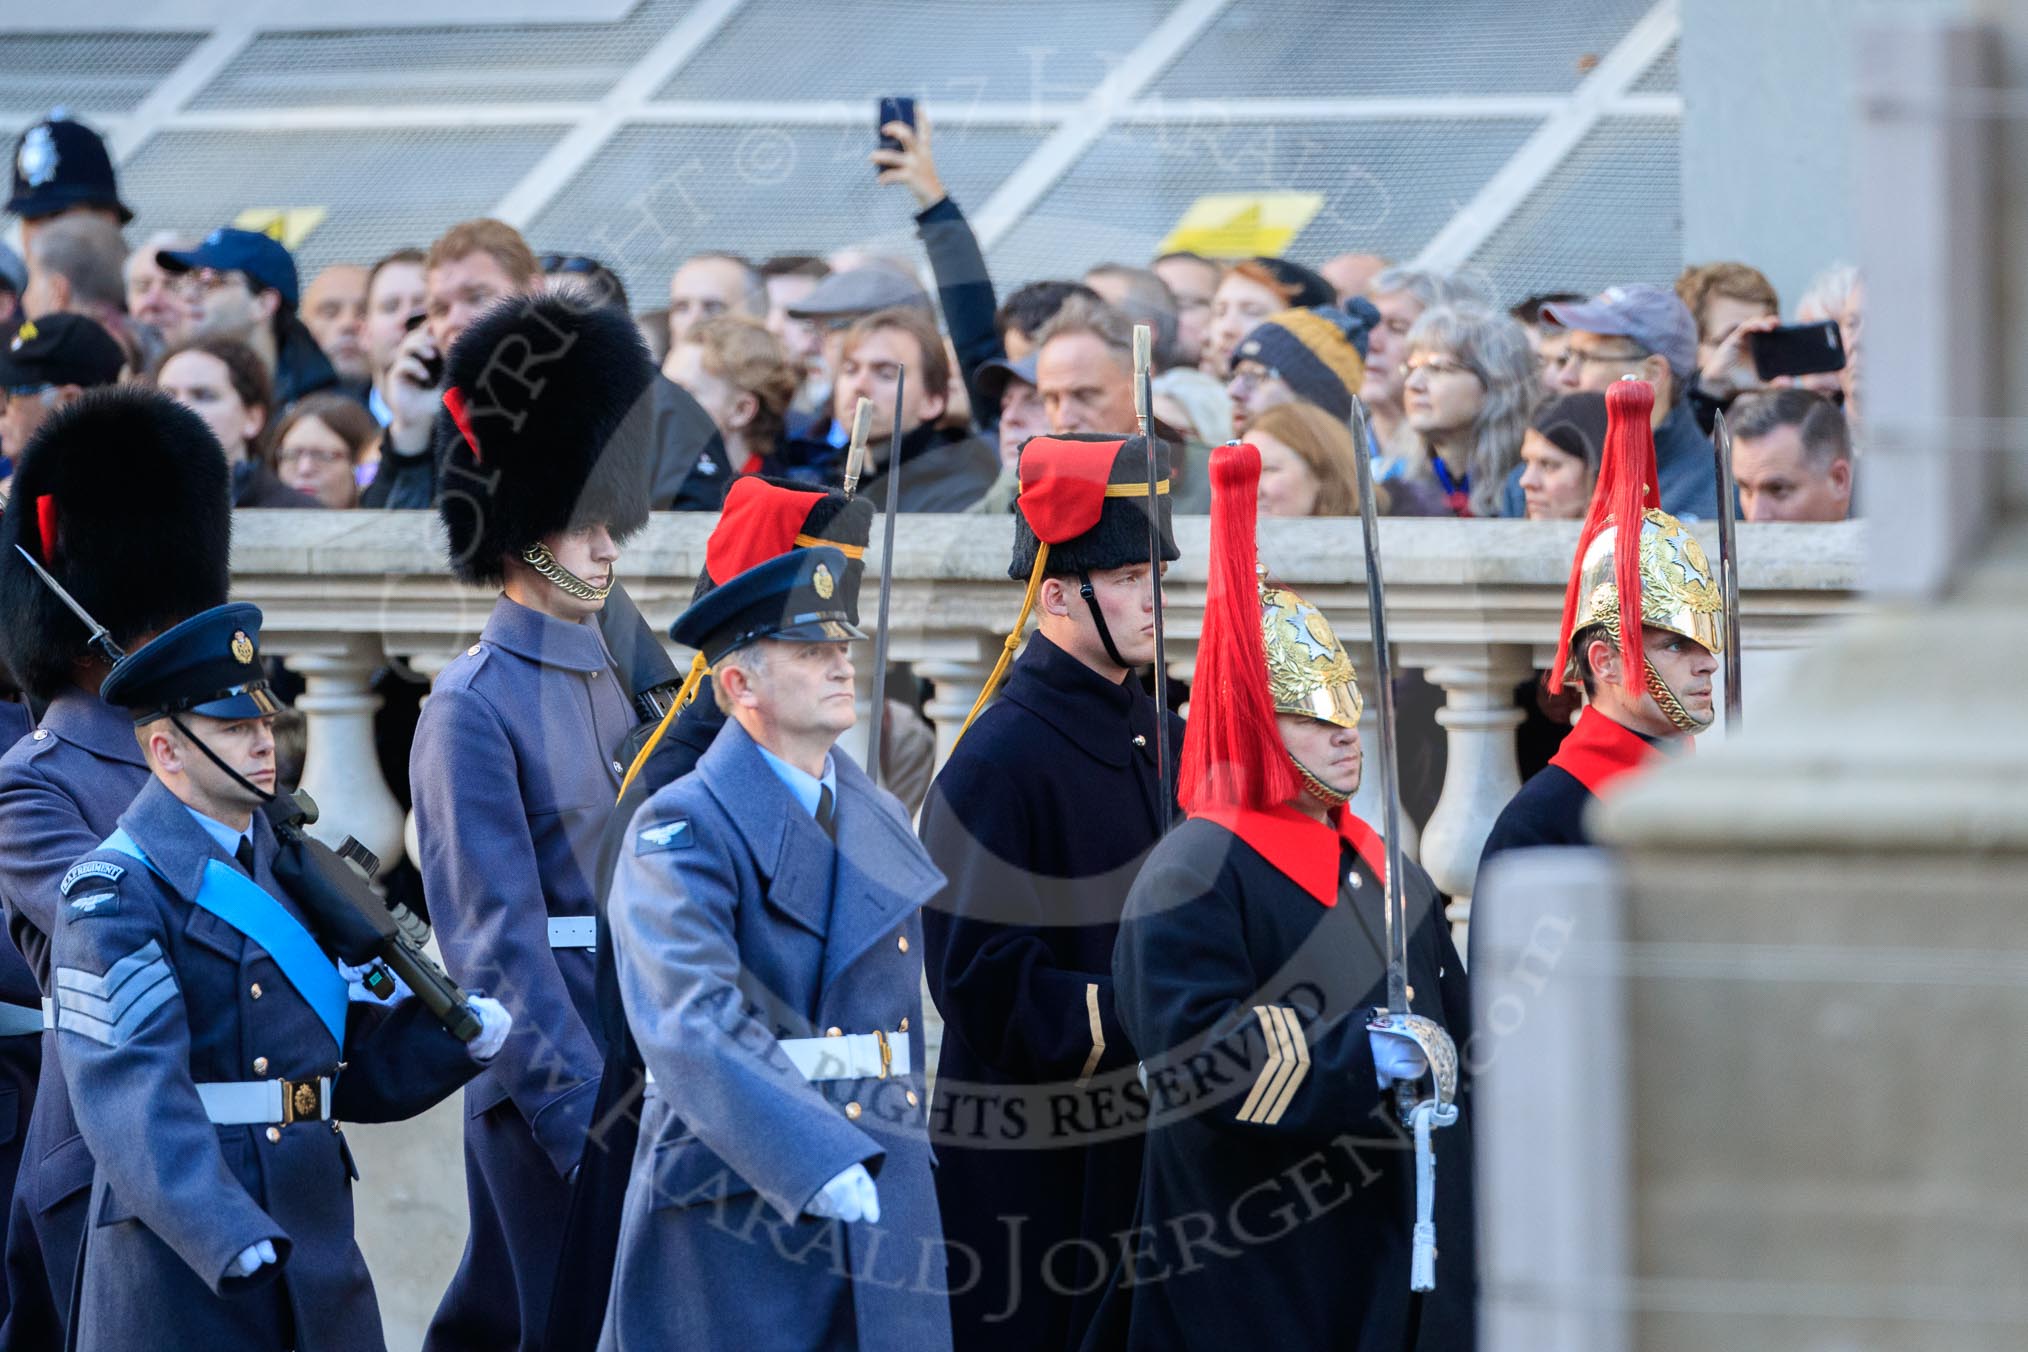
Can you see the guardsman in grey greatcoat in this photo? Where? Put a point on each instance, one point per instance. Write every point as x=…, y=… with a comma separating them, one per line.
x=517, y=763
x=124, y=498
x=210, y=1039
x=769, y=951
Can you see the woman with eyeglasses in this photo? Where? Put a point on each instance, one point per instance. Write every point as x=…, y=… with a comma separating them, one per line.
x=1469, y=388
x=320, y=447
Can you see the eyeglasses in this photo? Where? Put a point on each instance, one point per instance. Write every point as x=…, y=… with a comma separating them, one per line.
x=556, y=262
x=204, y=280
x=322, y=457
x=1252, y=376
x=1437, y=366
x=1570, y=357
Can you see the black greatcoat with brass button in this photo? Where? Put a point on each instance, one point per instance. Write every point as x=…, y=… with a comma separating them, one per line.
x=1279, y=1190
x=1040, y=821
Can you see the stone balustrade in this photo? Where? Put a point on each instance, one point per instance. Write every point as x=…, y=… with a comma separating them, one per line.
x=1473, y=604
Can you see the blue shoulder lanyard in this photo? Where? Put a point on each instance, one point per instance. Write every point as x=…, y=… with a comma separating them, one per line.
x=243, y=904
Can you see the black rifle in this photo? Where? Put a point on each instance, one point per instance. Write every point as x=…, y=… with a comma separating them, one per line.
x=351, y=921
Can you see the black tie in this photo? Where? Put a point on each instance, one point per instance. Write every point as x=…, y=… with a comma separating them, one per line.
x=824, y=808
x=245, y=854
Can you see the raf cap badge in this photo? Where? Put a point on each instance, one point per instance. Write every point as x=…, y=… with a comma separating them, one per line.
x=242, y=648
x=820, y=579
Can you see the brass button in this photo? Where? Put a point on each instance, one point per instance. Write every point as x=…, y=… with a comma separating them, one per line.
x=260, y=1065
x=834, y=1032
x=42, y=734
x=594, y=675
x=1354, y=881
x=472, y=651
x=902, y=943
x=618, y=768
x=852, y=1110
x=1411, y=992
x=904, y=1025
x=912, y=1100
x=334, y=1128
x=254, y=990
x=1139, y=740
x=274, y=1134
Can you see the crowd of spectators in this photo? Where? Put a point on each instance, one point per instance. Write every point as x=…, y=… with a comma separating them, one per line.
x=327, y=394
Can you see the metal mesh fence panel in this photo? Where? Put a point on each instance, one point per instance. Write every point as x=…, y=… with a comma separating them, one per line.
x=89, y=72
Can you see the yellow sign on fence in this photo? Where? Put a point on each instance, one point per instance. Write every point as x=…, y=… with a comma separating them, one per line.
x=290, y=225
x=1242, y=224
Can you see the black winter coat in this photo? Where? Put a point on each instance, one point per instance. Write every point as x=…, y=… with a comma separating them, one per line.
x=1040, y=821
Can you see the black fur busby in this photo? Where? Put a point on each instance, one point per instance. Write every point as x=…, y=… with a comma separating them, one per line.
x=546, y=428
x=1057, y=487
x=125, y=497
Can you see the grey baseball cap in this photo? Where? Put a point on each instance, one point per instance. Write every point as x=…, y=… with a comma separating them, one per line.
x=1652, y=316
x=860, y=291
x=995, y=375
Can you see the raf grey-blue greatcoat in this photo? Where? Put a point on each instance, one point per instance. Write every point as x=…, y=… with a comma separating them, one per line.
x=514, y=775
x=156, y=995
x=62, y=790
x=737, y=923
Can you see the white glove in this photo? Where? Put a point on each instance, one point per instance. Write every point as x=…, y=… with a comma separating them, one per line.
x=251, y=1259
x=848, y=1197
x=494, y=1023
x=1396, y=1057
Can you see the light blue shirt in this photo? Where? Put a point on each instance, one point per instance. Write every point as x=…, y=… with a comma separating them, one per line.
x=807, y=788
x=227, y=838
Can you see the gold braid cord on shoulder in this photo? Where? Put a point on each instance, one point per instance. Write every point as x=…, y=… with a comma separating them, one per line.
x=698, y=671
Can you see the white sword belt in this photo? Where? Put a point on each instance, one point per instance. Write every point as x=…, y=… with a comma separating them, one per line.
x=252, y=1103
x=849, y=1056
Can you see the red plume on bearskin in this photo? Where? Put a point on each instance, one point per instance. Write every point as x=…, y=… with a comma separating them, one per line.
x=1627, y=486
x=1232, y=749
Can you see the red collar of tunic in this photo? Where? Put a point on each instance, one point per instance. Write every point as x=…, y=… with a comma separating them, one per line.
x=1599, y=751
x=1303, y=849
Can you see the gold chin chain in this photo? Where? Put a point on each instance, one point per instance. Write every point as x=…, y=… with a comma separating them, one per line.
x=538, y=557
x=1673, y=707
x=1318, y=789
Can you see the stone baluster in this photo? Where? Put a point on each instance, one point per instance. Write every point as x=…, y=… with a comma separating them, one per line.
x=954, y=686
x=1479, y=718
x=428, y=666
x=341, y=769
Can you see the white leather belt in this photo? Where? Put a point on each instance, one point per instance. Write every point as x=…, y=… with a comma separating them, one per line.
x=855, y=1056
x=20, y=1020
x=245, y=1103
x=573, y=931
x=48, y=1012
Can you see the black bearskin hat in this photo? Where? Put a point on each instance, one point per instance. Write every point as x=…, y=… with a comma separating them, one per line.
x=125, y=497
x=546, y=428
x=1064, y=500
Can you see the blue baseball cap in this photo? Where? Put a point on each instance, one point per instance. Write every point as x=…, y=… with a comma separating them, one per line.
x=209, y=664
x=260, y=257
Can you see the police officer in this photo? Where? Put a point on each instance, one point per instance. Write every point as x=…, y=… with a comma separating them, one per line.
x=122, y=496
x=48, y=363
x=1040, y=820
x=516, y=764
x=208, y=1038
x=762, y=519
x=60, y=167
x=768, y=946
x=1277, y=1194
